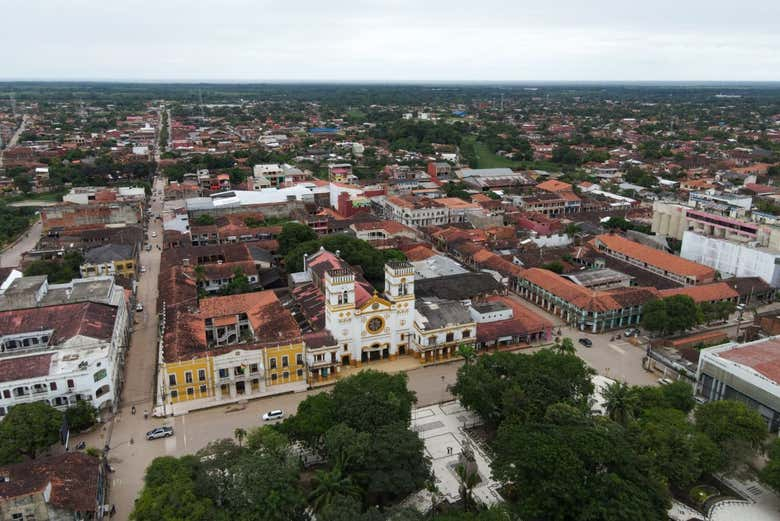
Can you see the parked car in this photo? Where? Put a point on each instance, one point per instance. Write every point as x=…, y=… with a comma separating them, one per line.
x=631, y=332
x=148, y=247
x=143, y=269
x=154, y=234
x=586, y=342
x=139, y=307
x=276, y=414
x=159, y=432
x=664, y=381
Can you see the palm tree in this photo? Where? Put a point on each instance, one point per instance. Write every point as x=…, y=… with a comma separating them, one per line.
x=239, y=434
x=468, y=480
x=467, y=352
x=619, y=402
x=565, y=346
x=328, y=485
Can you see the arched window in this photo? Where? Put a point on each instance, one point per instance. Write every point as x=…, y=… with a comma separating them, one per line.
x=345, y=297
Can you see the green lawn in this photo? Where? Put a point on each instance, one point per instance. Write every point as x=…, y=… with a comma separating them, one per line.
x=487, y=159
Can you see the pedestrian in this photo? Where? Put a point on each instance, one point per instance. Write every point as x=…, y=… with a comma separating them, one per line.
x=132, y=410
x=146, y=414
x=131, y=440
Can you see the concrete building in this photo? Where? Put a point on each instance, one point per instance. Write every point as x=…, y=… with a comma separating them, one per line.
x=110, y=259
x=70, y=486
x=749, y=373
x=440, y=327
x=731, y=258
x=680, y=270
x=62, y=343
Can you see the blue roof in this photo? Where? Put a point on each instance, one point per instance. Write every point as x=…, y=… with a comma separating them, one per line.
x=323, y=130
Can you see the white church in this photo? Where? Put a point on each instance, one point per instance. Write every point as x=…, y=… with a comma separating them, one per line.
x=365, y=325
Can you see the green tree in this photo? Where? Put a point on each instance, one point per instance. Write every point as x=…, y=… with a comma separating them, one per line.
x=576, y=472
x=770, y=474
x=81, y=416
x=507, y=384
x=315, y=415
x=371, y=399
x=294, y=234
x=23, y=183
x=679, y=395
x=671, y=314
x=204, y=220
x=736, y=429
x=467, y=352
x=328, y=485
x=468, y=479
x=27, y=429
x=239, y=434
x=619, y=403
x=565, y=346
x=673, y=447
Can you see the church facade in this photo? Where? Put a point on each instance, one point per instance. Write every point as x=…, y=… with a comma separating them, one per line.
x=375, y=328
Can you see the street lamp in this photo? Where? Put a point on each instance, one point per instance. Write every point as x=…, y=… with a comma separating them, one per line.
x=741, y=309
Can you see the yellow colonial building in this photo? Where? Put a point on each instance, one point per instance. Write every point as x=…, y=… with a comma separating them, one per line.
x=110, y=259
x=232, y=348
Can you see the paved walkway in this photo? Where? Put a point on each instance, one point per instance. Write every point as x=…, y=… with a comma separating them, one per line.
x=441, y=428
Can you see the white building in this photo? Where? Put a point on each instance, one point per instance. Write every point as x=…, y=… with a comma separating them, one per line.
x=746, y=372
x=440, y=327
x=732, y=258
x=62, y=343
x=378, y=327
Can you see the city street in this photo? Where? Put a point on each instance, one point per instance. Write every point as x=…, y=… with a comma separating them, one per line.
x=13, y=255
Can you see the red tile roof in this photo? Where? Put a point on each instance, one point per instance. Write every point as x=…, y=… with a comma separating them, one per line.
x=24, y=367
x=89, y=319
x=763, y=356
x=555, y=186
x=652, y=257
x=704, y=293
x=73, y=477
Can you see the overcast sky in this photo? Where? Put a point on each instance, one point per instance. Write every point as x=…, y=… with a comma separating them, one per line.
x=390, y=40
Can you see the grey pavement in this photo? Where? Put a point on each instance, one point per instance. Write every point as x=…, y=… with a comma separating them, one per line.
x=12, y=256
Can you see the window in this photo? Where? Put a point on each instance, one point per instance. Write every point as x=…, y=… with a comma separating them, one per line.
x=273, y=363
x=53, y=386
x=224, y=373
x=299, y=359
x=300, y=372
x=466, y=333
x=201, y=375
x=188, y=377
x=174, y=394
x=171, y=379
x=190, y=391
x=2, y=411
x=286, y=375
x=17, y=517
x=203, y=389
x=285, y=361
x=273, y=377
x=6, y=393
x=450, y=337
x=252, y=368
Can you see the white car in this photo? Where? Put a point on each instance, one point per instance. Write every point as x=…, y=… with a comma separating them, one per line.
x=139, y=307
x=664, y=381
x=154, y=234
x=143, y=269
x=276, y=414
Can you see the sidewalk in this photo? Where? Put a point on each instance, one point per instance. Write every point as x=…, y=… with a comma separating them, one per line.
x=441, y=427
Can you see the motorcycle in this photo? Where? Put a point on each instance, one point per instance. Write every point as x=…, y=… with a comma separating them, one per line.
x=81, y=445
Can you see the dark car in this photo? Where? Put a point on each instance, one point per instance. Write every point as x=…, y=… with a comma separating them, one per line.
x=586, y=342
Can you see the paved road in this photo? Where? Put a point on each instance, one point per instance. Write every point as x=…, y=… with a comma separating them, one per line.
x=13, y=255
x=15, y=138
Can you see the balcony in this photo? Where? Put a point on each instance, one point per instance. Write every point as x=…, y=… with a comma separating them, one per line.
x=323, y=363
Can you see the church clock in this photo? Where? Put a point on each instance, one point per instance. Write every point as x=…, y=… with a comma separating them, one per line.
x=375, y=325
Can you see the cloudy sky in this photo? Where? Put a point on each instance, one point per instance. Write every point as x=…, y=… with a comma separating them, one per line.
x=390, y=40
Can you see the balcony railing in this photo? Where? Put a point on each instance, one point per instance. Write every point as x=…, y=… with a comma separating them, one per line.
x=323, y=363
